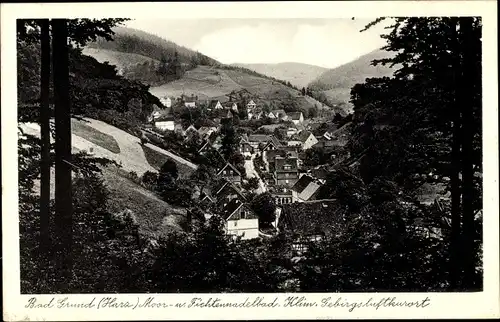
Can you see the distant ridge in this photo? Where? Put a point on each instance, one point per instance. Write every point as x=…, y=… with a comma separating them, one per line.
x=298, y=74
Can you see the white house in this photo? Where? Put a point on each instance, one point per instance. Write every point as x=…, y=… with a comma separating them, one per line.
x=215, y=105
x=240, y=220
x=296, y=117
x=231, y=106
x=190, y=104
x=251, y=105
x=307, y=139
x=165, y=123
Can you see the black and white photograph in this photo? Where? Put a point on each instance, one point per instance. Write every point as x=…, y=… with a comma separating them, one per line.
x=250, y=155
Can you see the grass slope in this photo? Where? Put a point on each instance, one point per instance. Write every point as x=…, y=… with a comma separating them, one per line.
x=297, y=74
x=97, y=137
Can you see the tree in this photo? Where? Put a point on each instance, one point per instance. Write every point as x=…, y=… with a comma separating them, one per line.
x=168, y=170
x=432, y=87
x=303, y=91
x=229, y=140
x=264, y=206
x=45, y=246
x=63, y=191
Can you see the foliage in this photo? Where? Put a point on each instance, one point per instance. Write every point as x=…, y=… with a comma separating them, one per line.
x=264, y=206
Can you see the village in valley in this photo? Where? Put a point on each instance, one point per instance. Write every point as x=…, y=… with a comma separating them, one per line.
x=272, y=157
x=172, y=171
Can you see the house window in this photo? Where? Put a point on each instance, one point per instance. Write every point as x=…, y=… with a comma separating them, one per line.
x=287, y=174
x=235, y=224
x=287, y=167
x=286, y=181
x=225, y=172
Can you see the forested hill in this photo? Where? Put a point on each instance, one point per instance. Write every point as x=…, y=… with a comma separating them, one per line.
x=336, y=83
x=133, y=41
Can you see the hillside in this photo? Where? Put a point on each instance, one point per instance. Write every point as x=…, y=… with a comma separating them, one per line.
x=215, y=82
x=133, y=41
x=336, y=83
x=103, y=140
x=297, y=74
x=137, y=55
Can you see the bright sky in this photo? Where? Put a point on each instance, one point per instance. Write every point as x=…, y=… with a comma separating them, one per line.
x=323, y=42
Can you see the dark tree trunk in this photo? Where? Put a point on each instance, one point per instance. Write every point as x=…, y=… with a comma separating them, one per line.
x=63, y=195
x=45, y=246
x=466, y=88
x=456, y=218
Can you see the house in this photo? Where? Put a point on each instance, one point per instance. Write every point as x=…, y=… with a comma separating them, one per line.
x=231, y=106
x=306, y=188
x=251, y=105
x=223, y=191
x=190, y=131
x=229, y=114
x=307, y=139
x=159, y=112
x=272, y=144
x=296, y=117
x=206, y=131
x=257, y=139
x=166, y=101
x=286, y=170
x=245, y=148
x=165, y=123
x=230, y=172
x=215, y=105
x=284, y=196
x=190, y=104
x=291, y=131
x=240, y=220
x=255, y=115
x=269, y=156
x=278, y=114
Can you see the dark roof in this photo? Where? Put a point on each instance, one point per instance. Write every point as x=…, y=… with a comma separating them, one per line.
x=294, y=115
x=309, y=218
x=303, y=136
x=230, y=208
x=302, y=183
x=164, y=118
x=320, y=173
x=258, y=138
x=231, y=166
x=281, y=162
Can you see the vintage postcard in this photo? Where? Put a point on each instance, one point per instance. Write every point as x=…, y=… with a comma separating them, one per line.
x=250, y=160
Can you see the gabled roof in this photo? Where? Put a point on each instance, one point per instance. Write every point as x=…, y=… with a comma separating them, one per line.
x=222, y=184
x=165, y=118
x=303, y=136
x=262, y=138
x=228, y=212
x=213, y=103
x=279, y=113
x=295, y=115
x=228, y=165
x=302, y=183
x=206, y=129
x=280, y=163
x=231, y=208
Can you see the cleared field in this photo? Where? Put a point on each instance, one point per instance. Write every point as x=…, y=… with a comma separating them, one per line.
x=97, y=137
